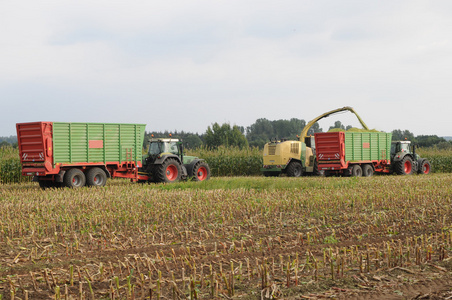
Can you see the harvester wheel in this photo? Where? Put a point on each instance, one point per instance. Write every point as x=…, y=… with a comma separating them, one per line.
x=201, y=171
x=169, y=171
x=357, y=171
x=404, y=166
x=294, y=169
x=74, y=178
x=368, y=171
x=425, y=167
x=96, y=177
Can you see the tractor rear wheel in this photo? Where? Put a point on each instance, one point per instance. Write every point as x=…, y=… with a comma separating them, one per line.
x=404, y=166
x=425, y=167
x=294, y=169
x=201, y=171
x=169, y=171
x=368, y=171
x=96, y=177
x=356, y=171
x=74, y=178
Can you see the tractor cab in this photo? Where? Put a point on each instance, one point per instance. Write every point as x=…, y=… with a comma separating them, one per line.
x=164, y=146
x=160, y=148
x=401, y=148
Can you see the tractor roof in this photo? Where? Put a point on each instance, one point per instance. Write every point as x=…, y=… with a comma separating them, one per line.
x=165, y=140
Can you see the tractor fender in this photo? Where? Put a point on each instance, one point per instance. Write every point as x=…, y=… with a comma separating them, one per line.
x=402, y=156
x=191, y=165
x=162, y=159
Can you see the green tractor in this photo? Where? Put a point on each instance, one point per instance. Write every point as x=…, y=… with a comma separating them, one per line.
x=166, y=162
x=406, y=161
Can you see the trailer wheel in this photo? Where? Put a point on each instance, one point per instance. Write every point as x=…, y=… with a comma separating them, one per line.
x=294, y=169
x=357, y=171
x=45, y=184
x=404, y=166
x=74, y=178
x=368, y=171
x=169, y=171
x=425, y=167
x=96, y=177
x=201, y=171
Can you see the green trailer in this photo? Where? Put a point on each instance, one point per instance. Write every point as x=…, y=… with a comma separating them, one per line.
x=75, y=154
x=353, y=153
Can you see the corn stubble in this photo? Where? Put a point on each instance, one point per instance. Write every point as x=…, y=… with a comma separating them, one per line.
x=303, y=236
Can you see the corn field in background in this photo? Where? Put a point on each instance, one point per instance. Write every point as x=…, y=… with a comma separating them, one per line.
x=10, y=168
x=231, y=161
x=441, y=160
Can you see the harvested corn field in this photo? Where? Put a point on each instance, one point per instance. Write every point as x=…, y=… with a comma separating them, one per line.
x=386, y=237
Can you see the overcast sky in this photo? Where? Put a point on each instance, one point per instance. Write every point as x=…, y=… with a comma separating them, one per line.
x=183, y=65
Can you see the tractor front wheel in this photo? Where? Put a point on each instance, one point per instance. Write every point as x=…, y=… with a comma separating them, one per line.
x=201, y=171
x=425, y=167
x=169, y=171
x=404, y=166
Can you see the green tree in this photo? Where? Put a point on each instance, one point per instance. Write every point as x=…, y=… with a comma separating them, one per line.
x=264, y=130
x=399, y=135
x=314, y=129
x=428, y=140
x=225, y=135
x=337, y=124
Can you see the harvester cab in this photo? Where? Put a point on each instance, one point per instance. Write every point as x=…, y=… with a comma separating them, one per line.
x=406, y=161
x=166, y=162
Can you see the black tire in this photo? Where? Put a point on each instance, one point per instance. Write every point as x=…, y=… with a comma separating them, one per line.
x=357, y=171
x=96, y=177
x=201, y=171
x=316, y=171
x=425, y=167
x=74, y=178
x=368, y=170
x=404, y=166
x=169, y=171
x=271, y=174
x=45, y=184
x=294, y=169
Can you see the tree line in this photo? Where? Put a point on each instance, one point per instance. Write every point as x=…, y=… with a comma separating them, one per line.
x=264, y=130
x=260, y=132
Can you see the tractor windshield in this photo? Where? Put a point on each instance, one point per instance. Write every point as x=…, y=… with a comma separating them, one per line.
x=397, y=147
x=405, y=147
x=156, y=148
